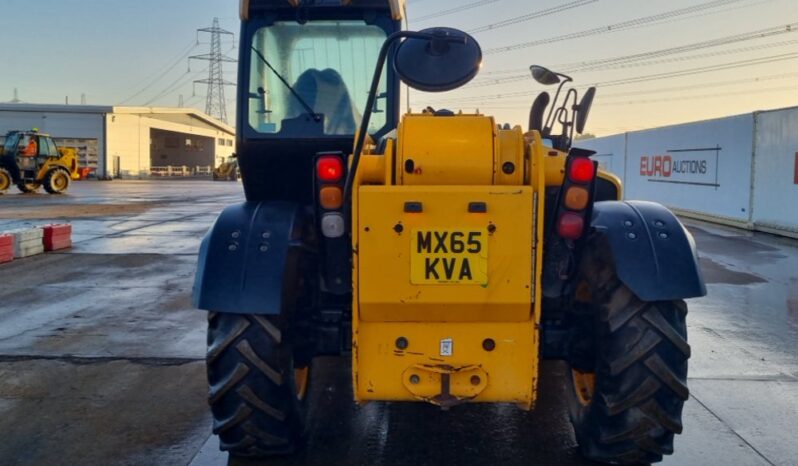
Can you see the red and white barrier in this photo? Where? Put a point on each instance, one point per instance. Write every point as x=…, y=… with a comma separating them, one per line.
x=6, y=248
x=27, y=242
x=57, y=236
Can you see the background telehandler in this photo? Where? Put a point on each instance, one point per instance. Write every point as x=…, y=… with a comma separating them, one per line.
x=446, y=254
x=227, y=170
x=30, y=160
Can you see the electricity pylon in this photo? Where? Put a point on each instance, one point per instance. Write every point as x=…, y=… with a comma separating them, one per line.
x=215, y=104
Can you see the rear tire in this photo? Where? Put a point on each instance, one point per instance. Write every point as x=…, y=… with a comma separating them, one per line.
x=28, y=188
x=257, y=396
x=5, y=180
x=627, y=408
x=57, y=181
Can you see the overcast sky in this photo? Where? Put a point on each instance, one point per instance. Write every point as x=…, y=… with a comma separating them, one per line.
x=131, y=52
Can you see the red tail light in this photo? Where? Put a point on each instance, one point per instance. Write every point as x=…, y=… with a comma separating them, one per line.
x=330, y=168
x=582, y=170
x=570, y=226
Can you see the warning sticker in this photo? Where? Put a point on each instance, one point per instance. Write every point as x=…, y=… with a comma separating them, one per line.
x=446, y=347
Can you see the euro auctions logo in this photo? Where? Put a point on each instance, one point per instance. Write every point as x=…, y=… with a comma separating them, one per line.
x=663, y=166
x=682, y=166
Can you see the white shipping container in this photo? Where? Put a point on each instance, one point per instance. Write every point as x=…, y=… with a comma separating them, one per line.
x=740, y=170
x=610, y=152
x=702, y=167
x=776, y=171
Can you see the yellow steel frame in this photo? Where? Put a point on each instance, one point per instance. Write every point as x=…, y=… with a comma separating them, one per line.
x=503, y=369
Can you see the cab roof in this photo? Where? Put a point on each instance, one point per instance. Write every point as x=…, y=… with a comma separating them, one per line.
x=27, y=132
x=397, y=7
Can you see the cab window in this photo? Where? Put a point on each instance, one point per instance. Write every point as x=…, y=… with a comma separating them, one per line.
x=52, y=150
x=327, y=64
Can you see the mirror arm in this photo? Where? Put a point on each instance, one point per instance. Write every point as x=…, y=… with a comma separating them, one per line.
x=574, y=109
x=361, y=134
x=548, y=123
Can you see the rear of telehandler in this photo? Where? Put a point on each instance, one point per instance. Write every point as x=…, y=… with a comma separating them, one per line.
x=448, y=255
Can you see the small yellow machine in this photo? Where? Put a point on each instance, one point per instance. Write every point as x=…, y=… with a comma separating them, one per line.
x=446, y=254
x=227, y=170
x=30, y=160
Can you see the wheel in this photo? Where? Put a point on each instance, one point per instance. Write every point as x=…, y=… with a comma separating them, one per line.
x=5, y=180
x=28, y=187
x=628, y=375
x=257, y=394
x=56, y=181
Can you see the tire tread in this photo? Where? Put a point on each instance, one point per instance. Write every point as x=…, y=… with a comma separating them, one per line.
x=256, y=414
x=641, y=371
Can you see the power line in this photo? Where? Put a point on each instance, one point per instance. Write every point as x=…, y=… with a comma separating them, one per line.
x=630, y=60
x=667, y=99
x=531, y=16
x=703, y=69
x=647, y=78
x=624, y=25
x=709, y=85
x=177, y=84
x=717, y=53
x=454, y=10
x=702, y=96
x=735, y=38
x=603, y=97
x=159, y=77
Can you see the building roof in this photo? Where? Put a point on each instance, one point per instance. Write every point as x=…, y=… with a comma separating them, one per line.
x=181, y=115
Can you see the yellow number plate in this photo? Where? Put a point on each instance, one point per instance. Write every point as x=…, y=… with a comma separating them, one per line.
x=449, y=257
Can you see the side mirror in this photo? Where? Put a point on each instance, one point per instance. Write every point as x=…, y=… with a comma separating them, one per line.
x=446, y=61
x=583, y=109
x=544, y=75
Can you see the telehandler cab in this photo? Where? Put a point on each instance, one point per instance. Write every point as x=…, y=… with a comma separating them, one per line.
x=446, y=254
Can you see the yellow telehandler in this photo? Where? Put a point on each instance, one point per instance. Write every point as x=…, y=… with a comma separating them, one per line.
x=446, y=254
x=227, y=170
x=30, y=160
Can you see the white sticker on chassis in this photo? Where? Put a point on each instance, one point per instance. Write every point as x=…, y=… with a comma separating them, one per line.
x=447, y=347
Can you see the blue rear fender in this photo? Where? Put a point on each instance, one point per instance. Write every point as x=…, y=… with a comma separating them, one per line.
x=249, y=260
x=654, y=254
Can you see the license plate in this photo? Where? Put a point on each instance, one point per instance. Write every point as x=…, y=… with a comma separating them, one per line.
x=449, y=257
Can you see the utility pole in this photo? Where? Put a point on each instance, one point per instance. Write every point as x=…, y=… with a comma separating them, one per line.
x=215, y=104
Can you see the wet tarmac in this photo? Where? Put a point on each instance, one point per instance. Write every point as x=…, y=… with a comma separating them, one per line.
x=101, y=355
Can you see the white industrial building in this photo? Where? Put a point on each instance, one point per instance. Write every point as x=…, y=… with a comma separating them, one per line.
x=128, y=142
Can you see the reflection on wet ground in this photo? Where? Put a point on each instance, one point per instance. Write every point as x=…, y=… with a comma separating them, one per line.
x=101, y=355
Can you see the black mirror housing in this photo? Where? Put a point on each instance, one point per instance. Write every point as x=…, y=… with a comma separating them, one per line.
x=583, y=109
x=544, y=75
x=449, y=59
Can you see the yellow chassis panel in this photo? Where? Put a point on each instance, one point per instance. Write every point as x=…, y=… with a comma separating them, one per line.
x=385, y=291
x=384, y=368
x=508, y=373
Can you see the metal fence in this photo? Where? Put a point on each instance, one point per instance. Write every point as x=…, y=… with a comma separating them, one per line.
x=183, y=171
